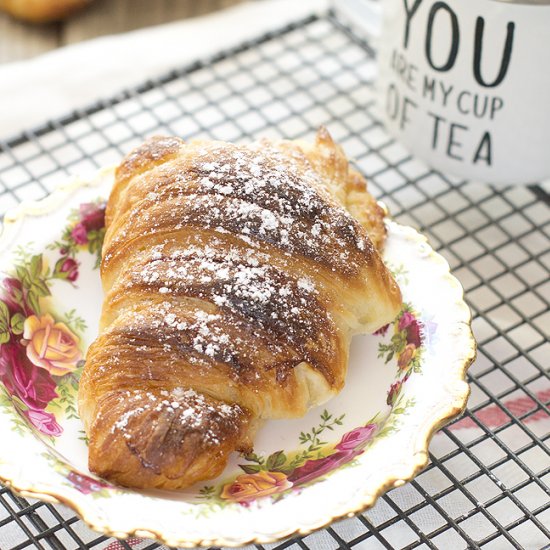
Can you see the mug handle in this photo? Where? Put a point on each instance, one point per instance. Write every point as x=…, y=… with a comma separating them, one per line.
x=366, y=14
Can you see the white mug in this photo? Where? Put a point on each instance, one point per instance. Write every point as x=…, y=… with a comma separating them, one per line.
x=465, y=84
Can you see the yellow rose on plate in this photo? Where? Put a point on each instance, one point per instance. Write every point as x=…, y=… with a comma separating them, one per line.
x=52, y=346
x=406, y=356
x=251, y=486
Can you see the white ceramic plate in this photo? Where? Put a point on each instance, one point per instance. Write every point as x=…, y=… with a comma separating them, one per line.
x=403, y=384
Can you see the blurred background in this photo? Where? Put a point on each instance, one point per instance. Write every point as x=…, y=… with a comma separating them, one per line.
x=63, y=23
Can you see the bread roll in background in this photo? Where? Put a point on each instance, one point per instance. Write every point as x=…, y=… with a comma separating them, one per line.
x=41, y=11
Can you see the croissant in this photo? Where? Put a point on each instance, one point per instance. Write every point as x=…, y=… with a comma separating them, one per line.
x=234, y=278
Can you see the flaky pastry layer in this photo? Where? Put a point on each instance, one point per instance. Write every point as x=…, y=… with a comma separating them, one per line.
x=234, y=279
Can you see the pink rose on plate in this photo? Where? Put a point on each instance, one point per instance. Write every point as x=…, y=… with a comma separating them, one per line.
x=86, y=484
x=15, y=296
x=52, y=346
x=70, y=267
x=395, y=389
x=44, y=422
x=92, y=216
x=413, y=334
x=382, y=330
x=79, y=233
x=393, y=392
x=406, y=319
x=356, y=438
x=409, y=322
x=313, y=469
x=34, y=386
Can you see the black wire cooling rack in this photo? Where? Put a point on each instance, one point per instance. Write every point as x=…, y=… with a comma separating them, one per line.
x=487, y=482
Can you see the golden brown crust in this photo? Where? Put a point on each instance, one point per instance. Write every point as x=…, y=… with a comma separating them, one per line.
x=364, y=208
x=162, y=191
x=164, y=436
x=149, y=154
x=232, y=272
x=345, y=184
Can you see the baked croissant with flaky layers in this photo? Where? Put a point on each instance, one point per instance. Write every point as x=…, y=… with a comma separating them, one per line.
x=234, y=278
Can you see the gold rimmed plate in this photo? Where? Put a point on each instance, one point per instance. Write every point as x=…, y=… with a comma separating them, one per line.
x=404, y=383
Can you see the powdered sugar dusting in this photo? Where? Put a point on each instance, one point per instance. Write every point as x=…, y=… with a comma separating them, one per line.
x=245, y=235
x=193, y=411
x=237, y=281
x=259, y=194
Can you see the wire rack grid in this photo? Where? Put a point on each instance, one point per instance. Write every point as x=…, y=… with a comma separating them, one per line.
x=487, y=482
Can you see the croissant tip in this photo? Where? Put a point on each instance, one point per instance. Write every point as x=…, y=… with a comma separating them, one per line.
x=172, y=438
x=323, y=135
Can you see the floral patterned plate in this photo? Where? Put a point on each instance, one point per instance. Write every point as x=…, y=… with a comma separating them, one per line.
x=404, y=382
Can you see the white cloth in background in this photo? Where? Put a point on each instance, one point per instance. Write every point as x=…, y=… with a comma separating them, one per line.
x=53, y=84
